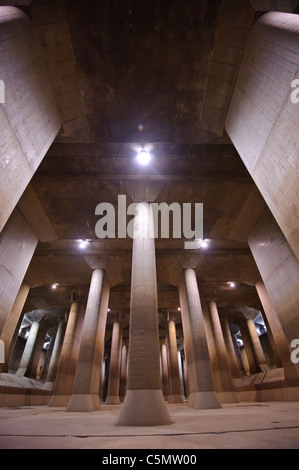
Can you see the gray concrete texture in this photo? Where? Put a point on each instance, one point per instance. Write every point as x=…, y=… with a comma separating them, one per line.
x=234, y=426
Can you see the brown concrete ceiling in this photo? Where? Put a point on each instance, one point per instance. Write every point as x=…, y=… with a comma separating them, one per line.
x=154, y=72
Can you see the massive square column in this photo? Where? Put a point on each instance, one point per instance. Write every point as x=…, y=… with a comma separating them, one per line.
x=144, y=404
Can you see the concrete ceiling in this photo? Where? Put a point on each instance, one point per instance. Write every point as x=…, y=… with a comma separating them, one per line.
x=150, y=72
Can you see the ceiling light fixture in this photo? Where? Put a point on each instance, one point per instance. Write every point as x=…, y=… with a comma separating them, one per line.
x=83, y=244
x=54, y=286
x=143, y=156
x=232, y=284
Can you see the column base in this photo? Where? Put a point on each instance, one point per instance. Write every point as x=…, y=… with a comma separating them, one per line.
x=48, y=386
x=144, y=408
x=21, y=372
x=83, y=402
x=228, y=397
x=203, y=400
x=59, y=400
x=175, y=399
x=112, y=400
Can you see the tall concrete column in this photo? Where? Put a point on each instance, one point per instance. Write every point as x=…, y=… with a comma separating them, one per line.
x=164, y=370
x=227, y=394
x=85, y=396
x=32, y=370
x=230, y=348
x=256, y=346
x=253, y=366
x=114, y=369
x=28, y=350
x=200, y=378
x=123, y=372
x=54, y=361
x=66, y=368
x=277, y=332
x=144, y=403
x=175, y=395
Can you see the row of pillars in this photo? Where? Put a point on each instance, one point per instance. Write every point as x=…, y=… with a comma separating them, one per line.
x=79, y=371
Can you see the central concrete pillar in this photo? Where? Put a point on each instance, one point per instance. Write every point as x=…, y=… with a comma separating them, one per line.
x=144, y=403
x=200, y=379
x=114, y=368
x=175, y=395
x=85, y=395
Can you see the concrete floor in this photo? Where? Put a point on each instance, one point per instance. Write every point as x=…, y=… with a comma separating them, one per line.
x=238, y=426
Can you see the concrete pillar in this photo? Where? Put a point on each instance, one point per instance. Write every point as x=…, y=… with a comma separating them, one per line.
x=18, y=242
x=279, y=269
x=123, y=372
x=175, y=395
x=262, y=118
x=29, y=118
x=85, y=395
x=200, y=379
x=164, y=370
x=67, y=364
x=256, y=346
x=277, y=332
x=33, y=370
x=227, y=394
x=144, y=403
x=29, y=349
x=13, y=323
x=54, y=361
x=230, y=348
x=114, y=369
x=253, y=366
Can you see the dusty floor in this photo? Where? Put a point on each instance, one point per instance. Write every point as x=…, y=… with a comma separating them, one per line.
x=238, y=426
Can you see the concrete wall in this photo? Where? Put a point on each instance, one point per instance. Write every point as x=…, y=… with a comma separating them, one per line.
x=29, y=120
x=262, y=120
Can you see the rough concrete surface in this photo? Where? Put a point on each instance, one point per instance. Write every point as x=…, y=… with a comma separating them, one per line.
x=235, y=426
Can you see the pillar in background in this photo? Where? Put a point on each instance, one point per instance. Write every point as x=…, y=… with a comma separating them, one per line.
x=123, y=371
x=55, y=356
x=227, y=394
x=253, y=366
x=114, y=368
x=144, y=403
x=27, y=355
x=175, y=394
x=200, y=380
x=164, y=369
x=85, y=394
x=233, y=361
x=256, y=346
